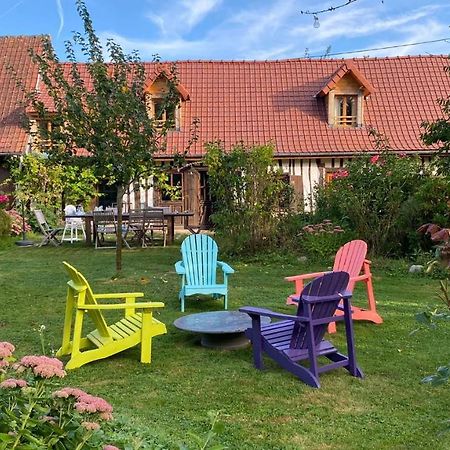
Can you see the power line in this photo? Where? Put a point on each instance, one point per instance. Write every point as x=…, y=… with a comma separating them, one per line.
x=380, y=48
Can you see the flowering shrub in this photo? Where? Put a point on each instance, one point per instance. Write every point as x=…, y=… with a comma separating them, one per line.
x=323, y=239
x=33, y=415
x=375, y=197
x=16, y=222
x=4, y=199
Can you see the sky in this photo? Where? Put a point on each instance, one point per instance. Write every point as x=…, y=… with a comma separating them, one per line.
x=240, y=29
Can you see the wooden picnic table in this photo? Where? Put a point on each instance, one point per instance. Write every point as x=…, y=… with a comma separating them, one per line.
x=169, y=216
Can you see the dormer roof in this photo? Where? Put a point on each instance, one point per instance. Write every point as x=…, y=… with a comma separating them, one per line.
x=346, y=68
x=164, y=71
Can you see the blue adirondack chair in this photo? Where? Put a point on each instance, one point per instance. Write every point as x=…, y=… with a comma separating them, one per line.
x=199, y=267
x=300, y=337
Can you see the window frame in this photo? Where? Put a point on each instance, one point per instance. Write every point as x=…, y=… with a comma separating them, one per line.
x=345, y=120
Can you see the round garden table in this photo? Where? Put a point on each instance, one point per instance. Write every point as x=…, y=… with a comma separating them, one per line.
x=219, y=329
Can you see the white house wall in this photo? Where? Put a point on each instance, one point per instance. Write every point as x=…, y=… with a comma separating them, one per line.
x=312, y=172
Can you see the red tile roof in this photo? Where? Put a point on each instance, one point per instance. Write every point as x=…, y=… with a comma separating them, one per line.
x=14, y=53
x=275, y=101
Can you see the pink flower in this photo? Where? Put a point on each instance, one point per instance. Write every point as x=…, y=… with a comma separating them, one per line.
x=90, y=425
x=12, y=383
x=86, y=403
x=44, y=366
x=374, y=159
x=342, y=173
x=4, y=199
x=402, y=155
x=110, y=447
x=6, y=349
x=106, y=416
x=68, y=391
x=3, y=363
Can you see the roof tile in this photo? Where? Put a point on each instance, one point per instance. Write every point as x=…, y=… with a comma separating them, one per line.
x=14, y=53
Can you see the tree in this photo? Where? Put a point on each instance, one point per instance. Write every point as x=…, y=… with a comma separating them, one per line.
x=99, y=108
x=438, y=132
x=46, y=183
x=249, y=196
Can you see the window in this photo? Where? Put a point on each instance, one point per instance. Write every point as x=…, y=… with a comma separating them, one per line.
x=173, y=189
x=164, y=114
x=346, y=110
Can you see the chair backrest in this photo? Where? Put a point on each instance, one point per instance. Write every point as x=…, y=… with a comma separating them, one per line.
x=136, y=218
x=103, y=218
x=70, y=210
x=78, y=284
x=350, y=258
x=330, y=284
x=199, y=253
x=154, y=217
x=41, y=221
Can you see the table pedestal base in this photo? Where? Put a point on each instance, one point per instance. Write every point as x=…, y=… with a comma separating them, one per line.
x=226, y=341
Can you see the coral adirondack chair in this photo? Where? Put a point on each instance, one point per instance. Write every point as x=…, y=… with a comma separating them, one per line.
x=198, y=269
x=351, y=258
x=300, y=337
x=105, y=340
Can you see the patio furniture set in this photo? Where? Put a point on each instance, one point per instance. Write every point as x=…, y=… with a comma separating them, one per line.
x=289, y=340
x=140, y=226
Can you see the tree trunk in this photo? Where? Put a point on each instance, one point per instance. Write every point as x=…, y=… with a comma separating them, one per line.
x=120, y=191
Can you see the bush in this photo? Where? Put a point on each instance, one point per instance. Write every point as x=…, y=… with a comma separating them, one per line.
x=248, y=197
x=373, y=197
x=16, y=223
x=321, y=241
x=5, y=223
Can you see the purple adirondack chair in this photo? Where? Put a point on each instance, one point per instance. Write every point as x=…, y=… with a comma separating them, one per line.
x=300, y=337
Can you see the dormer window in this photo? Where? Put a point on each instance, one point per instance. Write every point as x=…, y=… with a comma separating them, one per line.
x=165, y=113
x=344, y=93
x=346, y=107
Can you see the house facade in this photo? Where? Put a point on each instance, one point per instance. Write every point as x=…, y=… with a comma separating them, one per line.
x=316, y=113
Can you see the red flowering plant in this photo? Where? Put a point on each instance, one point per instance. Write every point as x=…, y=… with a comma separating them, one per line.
x=371, y=197
x=4, y=199
x=35, y=415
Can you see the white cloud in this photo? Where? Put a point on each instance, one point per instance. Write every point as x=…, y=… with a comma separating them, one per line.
x=196, y=10
x=259, y=29
x=61, y=16
x=169, y=49
x=158, y=21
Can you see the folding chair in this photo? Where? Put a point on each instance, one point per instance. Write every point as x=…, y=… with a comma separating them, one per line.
x=136, y=229
x=48, y=232
x=154, y=221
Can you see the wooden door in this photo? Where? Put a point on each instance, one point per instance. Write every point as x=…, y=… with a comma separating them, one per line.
x=191, y=195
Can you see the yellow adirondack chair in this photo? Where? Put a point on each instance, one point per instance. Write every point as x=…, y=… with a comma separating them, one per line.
x=104, y=341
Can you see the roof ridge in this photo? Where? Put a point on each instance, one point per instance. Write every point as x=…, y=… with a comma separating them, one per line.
x=27, y=36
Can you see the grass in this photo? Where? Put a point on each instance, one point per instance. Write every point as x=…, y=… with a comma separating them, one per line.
x=389, y=409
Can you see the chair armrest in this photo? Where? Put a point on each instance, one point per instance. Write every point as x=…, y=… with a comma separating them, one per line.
x=179, y=268
x=146, y=305
x=327, y=298
x=304, y=276
x=119, y=295
x=225, y=267
x=250, y=310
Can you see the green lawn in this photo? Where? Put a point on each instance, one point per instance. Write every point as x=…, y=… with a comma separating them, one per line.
x=389, y=409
